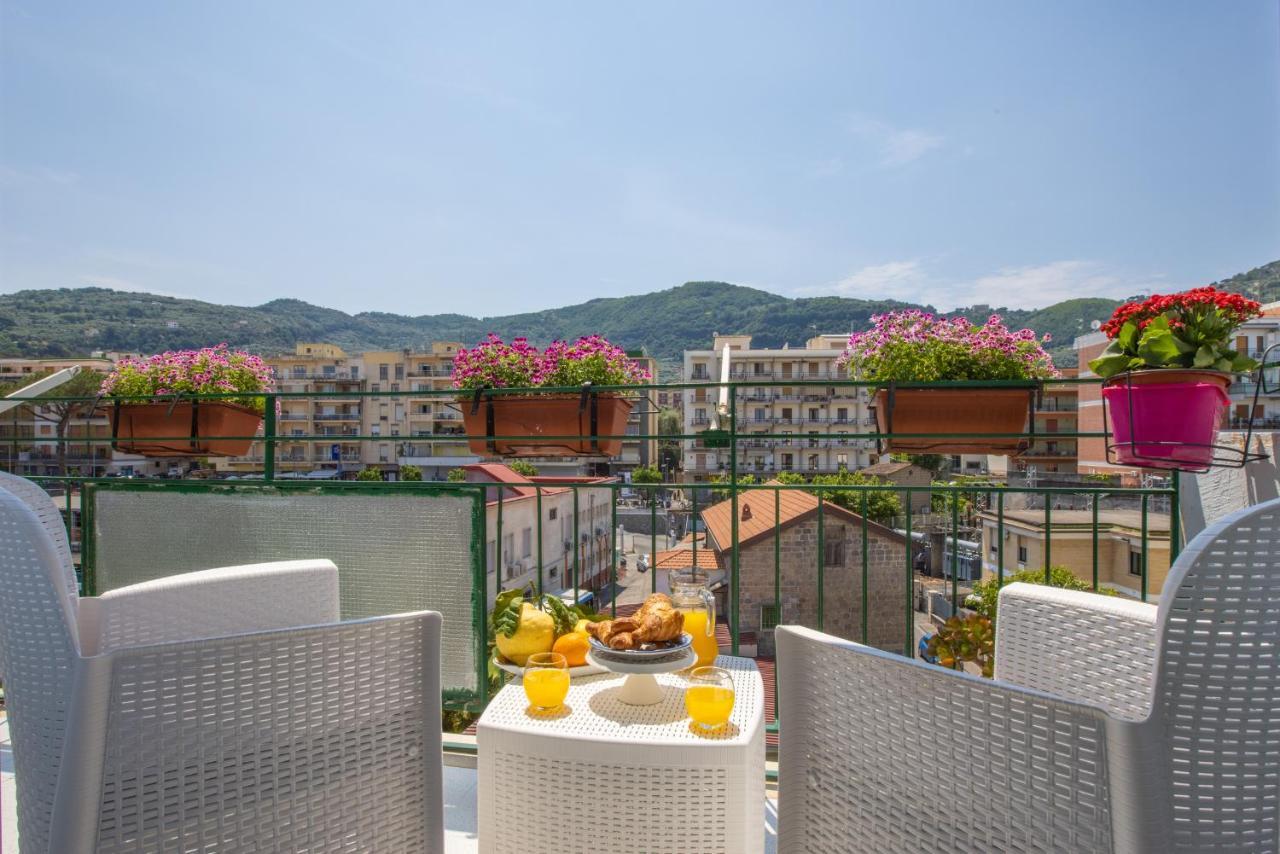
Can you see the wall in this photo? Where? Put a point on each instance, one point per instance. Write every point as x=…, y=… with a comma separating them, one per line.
x=842, y=606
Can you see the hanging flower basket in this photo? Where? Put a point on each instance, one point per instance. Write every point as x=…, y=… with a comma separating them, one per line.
x=1166, y=419
x=944, y=411
x=551, y=424
x=575, y=419
x=183, y=429
x=155, y=411
x=913, y=347
x=1168, y=368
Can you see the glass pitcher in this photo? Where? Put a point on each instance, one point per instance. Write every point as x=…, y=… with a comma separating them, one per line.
x=692, y=596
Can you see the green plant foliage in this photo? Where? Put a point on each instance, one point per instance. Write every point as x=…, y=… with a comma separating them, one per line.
x=986, y=593
x=410, y=473
x=524, y=468
x=646, y=474
x=369, y=473
x=456, y=476
x=961, y=639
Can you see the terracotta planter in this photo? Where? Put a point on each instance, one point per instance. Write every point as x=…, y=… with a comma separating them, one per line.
x=953, y=410
x=545, y=415
x=1166, y=419
x=158, y=429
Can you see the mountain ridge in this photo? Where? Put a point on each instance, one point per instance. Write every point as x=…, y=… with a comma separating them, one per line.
x=70, y=322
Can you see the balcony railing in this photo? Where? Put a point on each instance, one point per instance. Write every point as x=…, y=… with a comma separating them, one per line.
x=851, y=568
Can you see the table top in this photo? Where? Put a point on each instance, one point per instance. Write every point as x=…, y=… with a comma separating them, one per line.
x=592, y=711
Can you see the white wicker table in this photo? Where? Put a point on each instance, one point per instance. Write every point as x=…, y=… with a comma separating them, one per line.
x=606, y=776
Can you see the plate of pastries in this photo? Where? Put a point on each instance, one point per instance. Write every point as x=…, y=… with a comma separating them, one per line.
x=656, y=629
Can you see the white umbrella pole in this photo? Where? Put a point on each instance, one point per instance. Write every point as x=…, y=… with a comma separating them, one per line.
x=39, y=387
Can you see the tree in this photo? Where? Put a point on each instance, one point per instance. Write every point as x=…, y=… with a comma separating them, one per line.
x=523, y=468
x=61, y=413
x=986, y=593
x=646, y=474
x=669, y=426
x=718, y=495
x=456, y=475
x=936, y=464
x=410, y=473
x=882, y=505
x=369, y=473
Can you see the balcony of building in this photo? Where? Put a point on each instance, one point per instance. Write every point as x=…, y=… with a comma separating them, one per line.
x=868, y=719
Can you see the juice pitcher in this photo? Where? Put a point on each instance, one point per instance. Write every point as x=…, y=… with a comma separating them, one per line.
x=692, y=596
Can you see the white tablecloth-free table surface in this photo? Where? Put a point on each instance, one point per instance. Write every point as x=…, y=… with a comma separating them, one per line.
x=602, y=776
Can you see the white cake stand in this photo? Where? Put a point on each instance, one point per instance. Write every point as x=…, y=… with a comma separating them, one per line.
x=640, y=688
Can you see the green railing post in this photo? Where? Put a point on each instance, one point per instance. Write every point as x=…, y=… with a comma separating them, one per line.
x=497, y=543
x=1048, y=537
x=613, y=553
x=1097, y=497
x=999, y=539
x=734, y=580
x=269, y=439
x=653, y=539
x=822, y=561
x=1144, y=547
x=955, y=552
x=537, y=492
x=911, y=611
x=866, y=555
x=1175, y=514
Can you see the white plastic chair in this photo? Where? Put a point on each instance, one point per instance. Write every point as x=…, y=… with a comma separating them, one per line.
x=223, y=710
x=1110, y=725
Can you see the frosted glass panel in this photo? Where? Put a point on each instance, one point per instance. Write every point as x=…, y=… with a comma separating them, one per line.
x=394, y=553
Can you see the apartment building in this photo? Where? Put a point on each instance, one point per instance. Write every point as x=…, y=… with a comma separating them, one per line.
x=402, y=427
x=825, y=419
x=1056, y=411
x=517, y=535
x=643, y=421
x=29, y=443
x=1072, y=541
x=1255, y=337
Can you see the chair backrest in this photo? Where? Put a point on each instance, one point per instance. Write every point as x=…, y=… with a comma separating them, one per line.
x=397, y=549
x=42, y=504
x=1217, y=689
x=38, y=655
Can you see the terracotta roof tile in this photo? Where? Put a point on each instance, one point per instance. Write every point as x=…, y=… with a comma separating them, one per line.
x=759, y=509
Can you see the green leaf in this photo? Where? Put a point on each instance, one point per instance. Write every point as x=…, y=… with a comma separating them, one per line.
x=1107, y=366
x=1205, y=357
x=1157, y=347
x=506, y=612
x=1128, y=337
x=1241, y=363
x=1223, y=364
x=564, y=618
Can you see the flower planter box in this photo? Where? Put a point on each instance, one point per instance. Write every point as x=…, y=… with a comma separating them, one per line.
x=183, y=429
x=1166, y=419
x=545, y=415
x=953, y=410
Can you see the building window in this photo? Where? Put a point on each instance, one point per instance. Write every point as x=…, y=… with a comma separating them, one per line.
x=551, y=516
x=842, y=460
x=759, y=416
x=375, y=387
x=842, y=414
x=526, y=542
x=813, y=462
x=993, y=541
x=1135, y=563
x=355, y=372
x=768, y=617
x=833, y=553
x=1022, y=554
x=786, y=461
x=489, y=560
x=400, y=372
x=384, y=372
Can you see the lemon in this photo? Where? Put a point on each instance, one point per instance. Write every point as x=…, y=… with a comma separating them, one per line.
x=537, y=633
x=581, y=625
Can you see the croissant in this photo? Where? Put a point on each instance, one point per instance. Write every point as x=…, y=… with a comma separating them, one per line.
x=657, y=621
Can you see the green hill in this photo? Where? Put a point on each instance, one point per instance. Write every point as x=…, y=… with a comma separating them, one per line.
x=70, y=322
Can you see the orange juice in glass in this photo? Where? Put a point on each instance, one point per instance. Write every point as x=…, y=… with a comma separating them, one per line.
x=546, y=681
x=690, y=594
x=708, y=698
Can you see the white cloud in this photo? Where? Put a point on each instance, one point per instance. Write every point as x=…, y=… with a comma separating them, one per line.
x=1033, y=286
x=896, y=146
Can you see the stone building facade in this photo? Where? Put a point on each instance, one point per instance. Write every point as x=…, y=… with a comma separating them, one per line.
x=888, y=577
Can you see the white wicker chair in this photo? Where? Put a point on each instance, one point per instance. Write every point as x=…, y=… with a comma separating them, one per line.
x=1110, y=726
x=224, y=710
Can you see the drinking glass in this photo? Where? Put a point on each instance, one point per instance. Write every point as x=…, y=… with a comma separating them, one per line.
x=709, y=697
x=546, y=680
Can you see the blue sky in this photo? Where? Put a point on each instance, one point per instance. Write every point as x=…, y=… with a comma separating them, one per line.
x=493, y=158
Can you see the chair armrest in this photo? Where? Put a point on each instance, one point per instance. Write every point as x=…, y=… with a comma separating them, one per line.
x=879, y=752
x=230, y=600
x=1077, y=645
x=315, y=738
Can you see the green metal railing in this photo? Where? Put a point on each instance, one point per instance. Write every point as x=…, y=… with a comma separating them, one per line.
x=856, y=498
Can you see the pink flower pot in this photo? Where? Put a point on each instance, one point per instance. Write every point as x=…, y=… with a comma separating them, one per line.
x=1166, y=419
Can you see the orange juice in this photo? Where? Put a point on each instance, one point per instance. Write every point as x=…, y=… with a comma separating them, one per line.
x=708, y=705
x=546, y=688
x=695, y=623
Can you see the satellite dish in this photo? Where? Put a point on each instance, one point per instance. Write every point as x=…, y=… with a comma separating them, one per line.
x=1095, y=325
